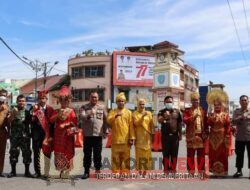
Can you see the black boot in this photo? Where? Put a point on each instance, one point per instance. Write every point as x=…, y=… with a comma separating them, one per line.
x=85, y=175
x=27, y=171
x=238, y=173
x=13, y=171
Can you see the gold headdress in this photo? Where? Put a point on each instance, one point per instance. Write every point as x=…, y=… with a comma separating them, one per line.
x=217, y=96
x=194, y=96
x=141, y=100
x=120, y=96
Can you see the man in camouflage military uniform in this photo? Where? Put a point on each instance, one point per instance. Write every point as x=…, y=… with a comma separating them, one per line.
x=4, y=128
x=241, y=118
x=20, y=136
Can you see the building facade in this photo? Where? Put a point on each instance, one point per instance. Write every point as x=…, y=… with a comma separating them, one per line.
x=172, y=76
x=88, y=73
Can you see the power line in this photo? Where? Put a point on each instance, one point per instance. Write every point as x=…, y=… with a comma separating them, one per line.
x=13, y=51
x=25, y=63
x=60, y=70
x=237, y=33
x=35, y=65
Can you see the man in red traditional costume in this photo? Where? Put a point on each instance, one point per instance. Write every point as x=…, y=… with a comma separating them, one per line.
x=65, y=128
x=196, y=133
x=42, y=133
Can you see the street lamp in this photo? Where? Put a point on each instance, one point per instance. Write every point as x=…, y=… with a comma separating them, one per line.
x=46, y=73
x=37, y=66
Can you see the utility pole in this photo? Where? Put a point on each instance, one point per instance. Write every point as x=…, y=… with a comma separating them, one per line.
x=37, y=66
x=44, y=75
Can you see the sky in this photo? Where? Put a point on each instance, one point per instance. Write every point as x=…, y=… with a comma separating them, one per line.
x=54, y=30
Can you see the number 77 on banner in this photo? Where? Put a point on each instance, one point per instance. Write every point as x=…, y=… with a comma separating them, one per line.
x=142, y=70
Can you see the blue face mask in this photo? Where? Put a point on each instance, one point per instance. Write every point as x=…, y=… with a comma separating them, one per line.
x=169, y=106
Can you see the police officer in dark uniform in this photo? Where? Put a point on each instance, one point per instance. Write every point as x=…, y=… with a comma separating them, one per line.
x=171, y=122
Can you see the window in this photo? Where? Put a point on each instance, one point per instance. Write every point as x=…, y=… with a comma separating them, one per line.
x=83, y=94
x=186, y=79
x=191, y=81
x=197, y=83
x=182, y=75
x=94, y=71
x=78, y=95
x=87, y=71
x=77, y=72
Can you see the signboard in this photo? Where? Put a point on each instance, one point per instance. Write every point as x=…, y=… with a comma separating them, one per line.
x=133, y=69
x=30, y=99
x=161, y=80
x=175, y=80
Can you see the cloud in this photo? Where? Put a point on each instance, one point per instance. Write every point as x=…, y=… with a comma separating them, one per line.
x=33, y=24
x=203, y=29
x=203, y=33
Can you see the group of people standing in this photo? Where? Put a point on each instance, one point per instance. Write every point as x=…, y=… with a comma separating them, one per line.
x=206, y=133
x=49, y=129
x=54, y=130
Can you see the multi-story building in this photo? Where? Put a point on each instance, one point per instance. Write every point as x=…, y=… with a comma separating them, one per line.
x=172, y=76
x=88, y=73
x=138, y=71
x=190, y=81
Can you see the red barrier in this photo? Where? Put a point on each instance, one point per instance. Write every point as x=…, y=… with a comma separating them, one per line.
x=79, y=139
x=156, y=145
x=108, y=145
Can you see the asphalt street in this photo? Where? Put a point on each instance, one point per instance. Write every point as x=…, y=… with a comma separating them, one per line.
x=21, y=183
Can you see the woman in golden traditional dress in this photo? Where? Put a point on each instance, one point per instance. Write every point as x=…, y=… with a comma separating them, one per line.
x=220, y=133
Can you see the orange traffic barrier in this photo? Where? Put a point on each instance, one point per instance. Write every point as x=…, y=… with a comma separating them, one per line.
x=108, y=145
x=157, y=145
x=79, y=139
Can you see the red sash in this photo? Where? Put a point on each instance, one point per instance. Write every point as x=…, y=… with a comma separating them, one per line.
x=47, y=146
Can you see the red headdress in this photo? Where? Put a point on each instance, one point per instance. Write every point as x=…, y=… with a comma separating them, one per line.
x=64, y=93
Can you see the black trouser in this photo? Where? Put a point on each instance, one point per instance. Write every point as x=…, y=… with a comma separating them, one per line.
x=38, y=136
x=240, y=149
x=95, y=144
x=37, y=145
x=170, y=147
